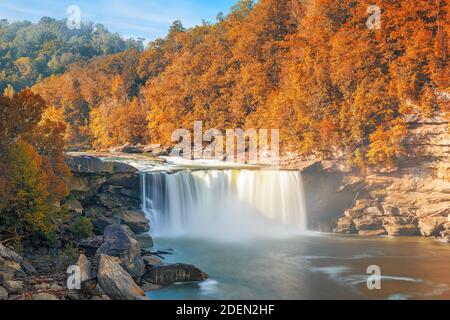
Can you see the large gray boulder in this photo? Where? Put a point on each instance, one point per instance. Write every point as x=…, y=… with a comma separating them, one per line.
x=135, y=220
x=116, y=282
x=14, y=262
x=145, y=240
x=117, y=243
x=167, y=274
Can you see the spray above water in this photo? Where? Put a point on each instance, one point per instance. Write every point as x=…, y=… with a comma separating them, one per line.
x=224, y=205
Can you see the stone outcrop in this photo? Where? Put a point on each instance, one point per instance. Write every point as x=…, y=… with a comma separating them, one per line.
x=167, y=274
x=116, y=282
x=412, y=200
x=117, y=243
x=107, y=192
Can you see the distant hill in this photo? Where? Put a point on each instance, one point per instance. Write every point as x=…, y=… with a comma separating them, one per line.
x=30, y=52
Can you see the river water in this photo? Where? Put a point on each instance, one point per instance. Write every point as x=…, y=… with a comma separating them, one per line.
x=312, y=266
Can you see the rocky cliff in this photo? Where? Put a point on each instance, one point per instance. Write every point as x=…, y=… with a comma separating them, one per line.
x=413, y=199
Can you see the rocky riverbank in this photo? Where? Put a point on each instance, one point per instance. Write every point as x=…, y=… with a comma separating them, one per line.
x=410, y=200
x=115, y=263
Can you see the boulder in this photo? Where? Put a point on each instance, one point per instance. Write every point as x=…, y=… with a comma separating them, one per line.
x=434, y=209
x=117, y=243
x=167, y=274
x=151, y=287
x=390, y=210
x=135, y=220
x=345, y=225
x=44, y=296
x=145, y=240
x=116, y=201
x=13, y=287
x=373, y=211
x=133, y=262
x=74, y=205
x=101, y=223
x=151, y=261
x=396, y=220
x=432, y=226
x=9, y=254
x=85, y=268
x=353, y=214
x=402, y=230
x=3, y=294
x=116, y=282
x=372, y=233
x=367, y=224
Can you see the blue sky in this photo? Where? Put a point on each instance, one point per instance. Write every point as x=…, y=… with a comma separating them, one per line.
x=130, y=18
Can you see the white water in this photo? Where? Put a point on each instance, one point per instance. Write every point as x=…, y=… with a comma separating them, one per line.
x=224, y=204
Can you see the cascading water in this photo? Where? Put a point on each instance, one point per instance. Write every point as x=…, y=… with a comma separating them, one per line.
x=223, y=204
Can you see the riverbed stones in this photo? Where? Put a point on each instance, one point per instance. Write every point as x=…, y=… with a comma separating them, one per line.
x=116, y=282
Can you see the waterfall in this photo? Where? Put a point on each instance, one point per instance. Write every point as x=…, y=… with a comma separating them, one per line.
x=225, y=204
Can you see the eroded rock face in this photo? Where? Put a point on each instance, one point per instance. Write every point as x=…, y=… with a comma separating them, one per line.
x=116, y=282
x=167, y=274
x=106, y=192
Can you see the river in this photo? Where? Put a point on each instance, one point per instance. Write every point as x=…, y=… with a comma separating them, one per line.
x=313, y=266
x=248, y=230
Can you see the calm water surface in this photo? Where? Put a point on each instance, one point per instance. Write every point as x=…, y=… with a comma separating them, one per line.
x=310, y=267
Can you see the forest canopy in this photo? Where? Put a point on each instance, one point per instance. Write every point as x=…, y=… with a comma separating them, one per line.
x=30, y=52
x=311, y=68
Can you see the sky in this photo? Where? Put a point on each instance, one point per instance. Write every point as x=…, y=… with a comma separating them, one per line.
x=147, y=19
